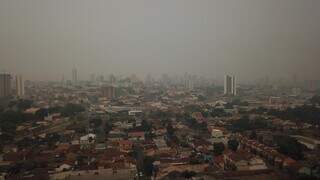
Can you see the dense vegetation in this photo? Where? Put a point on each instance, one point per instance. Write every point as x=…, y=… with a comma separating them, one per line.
x=306, y=114
x=289, y=146
x=315, y=100
x=233, y=144
x=148, y=165
x=8, y=123
x=66, y=111
x=219, y=113
x=302, y=114
x=245, y=124
x=218, y=148
x=21, y=104
x=14, y=115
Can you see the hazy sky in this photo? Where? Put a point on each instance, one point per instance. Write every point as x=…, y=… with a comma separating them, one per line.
x=43, y=39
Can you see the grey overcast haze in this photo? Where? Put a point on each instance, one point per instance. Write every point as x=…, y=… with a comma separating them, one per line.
x=45, y=39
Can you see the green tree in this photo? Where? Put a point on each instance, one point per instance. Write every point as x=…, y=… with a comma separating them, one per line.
x=56, y=109
x=41, y=113
x=218, y=148
x=146, y=126
x=10, y=119
x=290, y=146
x=315, y=99
x=24, y=104
x=107, y=127
x=305, y=113
x=253, y=135
x=202, y=98
x=233, y=144
x=218, y=113
x=170, y=130
x=148, y=165
x=245, y=124
x=72, y=109
x=188, y=174
x=96, y=122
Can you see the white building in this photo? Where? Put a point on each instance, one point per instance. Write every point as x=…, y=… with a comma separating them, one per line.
x=189, y=81
x=310, y=143
x=217, y=136
x=87, y=139
x=134, y=112
x=230, y=85
x=63, y=167
x=74, y=75
x=19, y=86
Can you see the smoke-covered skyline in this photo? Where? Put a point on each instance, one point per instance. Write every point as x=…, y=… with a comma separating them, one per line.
x=44, y=40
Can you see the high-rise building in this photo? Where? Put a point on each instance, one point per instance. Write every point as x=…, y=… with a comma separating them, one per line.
x=230, y=85
x=234, y=85
x=74, y=75
x=227, y=84
x=100, y=78
x=93, y=78
x=188, y=82
x=63, y=81
x=19, y=86
x=108, y=91
x=112, y=79
x=5, y=85
x=149, y=80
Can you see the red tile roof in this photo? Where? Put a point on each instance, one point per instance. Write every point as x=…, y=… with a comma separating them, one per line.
x=136, y=134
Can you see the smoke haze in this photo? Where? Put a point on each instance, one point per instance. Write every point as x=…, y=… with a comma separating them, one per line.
x=45, y=39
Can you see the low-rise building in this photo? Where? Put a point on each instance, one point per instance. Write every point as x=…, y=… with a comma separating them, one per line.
x=136, y=136
x=243, y=161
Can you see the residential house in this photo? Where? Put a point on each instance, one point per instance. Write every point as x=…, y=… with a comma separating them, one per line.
x=136, y=136
x=86, y=140
x=125, y=145
x=243, y=161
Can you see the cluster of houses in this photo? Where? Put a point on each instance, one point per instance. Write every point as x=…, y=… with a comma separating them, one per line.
x=58, y=147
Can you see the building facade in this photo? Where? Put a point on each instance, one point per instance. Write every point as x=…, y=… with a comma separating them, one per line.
x=74, y=75
x=5, y=85
x=230, y=85
x=108, y=92
x=19, y=86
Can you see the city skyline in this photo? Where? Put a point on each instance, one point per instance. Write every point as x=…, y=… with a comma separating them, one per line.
x=160, y=90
